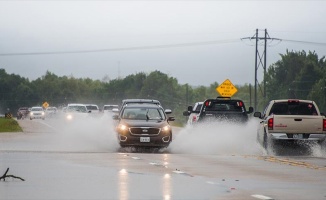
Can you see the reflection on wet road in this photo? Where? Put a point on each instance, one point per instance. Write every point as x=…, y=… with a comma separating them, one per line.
x=78, y=161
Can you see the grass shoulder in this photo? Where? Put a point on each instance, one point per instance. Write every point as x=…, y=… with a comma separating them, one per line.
x=9, y=125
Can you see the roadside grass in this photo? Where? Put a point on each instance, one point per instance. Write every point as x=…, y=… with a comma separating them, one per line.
x=9, y=125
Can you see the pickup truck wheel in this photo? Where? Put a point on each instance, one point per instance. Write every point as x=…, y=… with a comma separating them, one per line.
x=268, y=144
x=265, y=143
x=322, y=145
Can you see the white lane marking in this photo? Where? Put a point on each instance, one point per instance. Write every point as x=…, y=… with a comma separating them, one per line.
x=259, y=196
x=55, y=129
x=135, y=158
x=212, y=183
x=179, y=172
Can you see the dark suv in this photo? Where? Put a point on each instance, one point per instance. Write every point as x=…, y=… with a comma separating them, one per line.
x=222, y=109
x=143, y=125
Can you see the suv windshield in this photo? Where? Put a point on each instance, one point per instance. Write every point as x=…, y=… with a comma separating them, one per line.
x=143, y=114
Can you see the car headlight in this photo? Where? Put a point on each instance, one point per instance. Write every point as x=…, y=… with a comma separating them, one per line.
x=122, y=127
x=69, y=117
x=31, y=114
x=43, y=113
x=166, y=128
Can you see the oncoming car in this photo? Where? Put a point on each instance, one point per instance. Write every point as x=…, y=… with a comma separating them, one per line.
x=144, y=125
x=51, y=111
x=76, y=111
x=109, y=108
x=93, y=108
x=37, y=113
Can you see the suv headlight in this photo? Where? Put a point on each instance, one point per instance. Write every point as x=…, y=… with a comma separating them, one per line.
x=166, y=128
x=122, y=127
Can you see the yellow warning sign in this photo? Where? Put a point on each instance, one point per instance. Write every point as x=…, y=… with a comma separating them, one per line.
x=226, y=89
x=45, y=104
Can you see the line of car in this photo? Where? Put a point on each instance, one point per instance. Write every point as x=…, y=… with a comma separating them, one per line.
x=35, y=112
x=137, y=122
x=144, y=122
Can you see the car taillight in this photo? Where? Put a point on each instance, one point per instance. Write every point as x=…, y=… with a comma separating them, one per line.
x=324, y=124
x=194, y=118
x=270, y=123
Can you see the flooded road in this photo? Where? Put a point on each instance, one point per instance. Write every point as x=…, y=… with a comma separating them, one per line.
x=79, y=161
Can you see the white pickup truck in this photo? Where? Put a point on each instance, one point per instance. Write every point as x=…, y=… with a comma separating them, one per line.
x=290, y=120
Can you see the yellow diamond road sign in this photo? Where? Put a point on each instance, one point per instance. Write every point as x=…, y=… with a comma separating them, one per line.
x=226, y=89
x=45, y=104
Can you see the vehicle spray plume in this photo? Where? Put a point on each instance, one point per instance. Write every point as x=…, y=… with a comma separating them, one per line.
x=217, y=138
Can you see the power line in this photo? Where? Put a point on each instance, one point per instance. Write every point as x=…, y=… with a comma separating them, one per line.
x=125, y=48
x=158, y=46
x=304, y=42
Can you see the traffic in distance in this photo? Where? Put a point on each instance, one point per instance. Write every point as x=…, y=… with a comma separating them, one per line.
x=145, y=123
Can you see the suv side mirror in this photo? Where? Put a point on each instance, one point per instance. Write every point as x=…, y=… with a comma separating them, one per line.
x=190, y=109
x=115, y=117
x=168, y=111
x=171, y=119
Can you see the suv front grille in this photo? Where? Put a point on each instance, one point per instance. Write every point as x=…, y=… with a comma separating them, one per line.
x=144, y=131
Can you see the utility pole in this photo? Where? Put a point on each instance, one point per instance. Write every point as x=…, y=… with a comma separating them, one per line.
x=260, y=60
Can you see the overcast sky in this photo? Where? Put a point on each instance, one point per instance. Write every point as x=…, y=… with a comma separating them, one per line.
x=117, y=38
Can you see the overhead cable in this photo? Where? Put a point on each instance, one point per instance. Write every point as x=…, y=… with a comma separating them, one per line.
x=124, y=48
x=304, y=42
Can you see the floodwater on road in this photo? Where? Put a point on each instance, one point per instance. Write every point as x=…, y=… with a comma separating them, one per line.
x=83, y=160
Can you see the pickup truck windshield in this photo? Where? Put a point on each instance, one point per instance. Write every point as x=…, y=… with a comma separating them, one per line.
x=299, y=108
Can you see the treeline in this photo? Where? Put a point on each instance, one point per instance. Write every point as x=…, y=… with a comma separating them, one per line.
x=296, y=75
x=17, y=91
